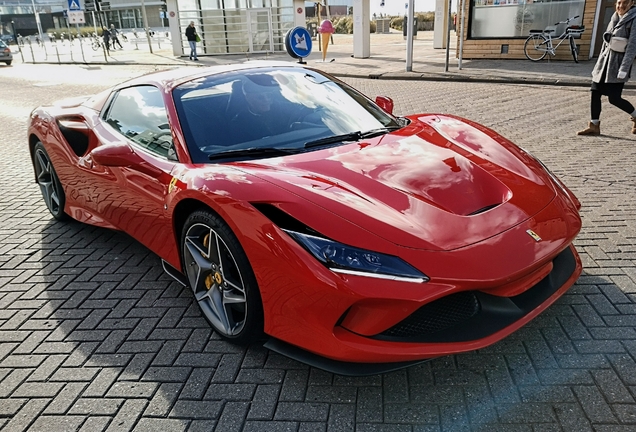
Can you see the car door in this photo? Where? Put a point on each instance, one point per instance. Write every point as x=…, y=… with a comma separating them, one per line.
x=132, y=197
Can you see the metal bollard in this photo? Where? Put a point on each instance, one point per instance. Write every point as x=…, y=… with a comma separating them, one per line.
x=32, y=55
x=58, y=54
x=81, y=43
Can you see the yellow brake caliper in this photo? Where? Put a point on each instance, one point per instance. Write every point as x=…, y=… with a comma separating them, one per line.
x=211, y=279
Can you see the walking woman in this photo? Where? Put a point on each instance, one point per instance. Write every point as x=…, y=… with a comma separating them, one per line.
x=191, y=35
x=614, y=65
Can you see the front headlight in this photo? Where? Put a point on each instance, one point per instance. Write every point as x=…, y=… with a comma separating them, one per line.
x=341, y=258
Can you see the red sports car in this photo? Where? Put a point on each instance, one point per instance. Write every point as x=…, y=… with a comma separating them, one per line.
x=298, y=209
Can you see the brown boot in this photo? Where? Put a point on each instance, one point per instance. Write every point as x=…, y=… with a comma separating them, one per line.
x=634, y=125
x=595, y=129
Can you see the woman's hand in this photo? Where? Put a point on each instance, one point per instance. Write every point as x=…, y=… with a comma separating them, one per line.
x=621, y=75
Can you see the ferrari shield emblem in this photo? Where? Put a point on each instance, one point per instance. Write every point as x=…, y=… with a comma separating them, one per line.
x=173, y=182
x=534, y=235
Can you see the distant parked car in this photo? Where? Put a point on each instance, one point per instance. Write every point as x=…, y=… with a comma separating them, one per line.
x=5, y=53
x=8, y=39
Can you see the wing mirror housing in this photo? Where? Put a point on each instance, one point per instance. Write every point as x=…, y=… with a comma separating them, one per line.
x=385, y=102
x=122, y=155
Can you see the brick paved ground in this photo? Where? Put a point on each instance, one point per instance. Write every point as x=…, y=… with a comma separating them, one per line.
x=93, y=335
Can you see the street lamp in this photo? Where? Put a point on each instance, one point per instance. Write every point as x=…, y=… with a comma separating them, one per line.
x=15, y=37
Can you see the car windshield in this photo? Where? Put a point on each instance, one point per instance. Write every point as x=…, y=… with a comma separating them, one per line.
x=271, y=111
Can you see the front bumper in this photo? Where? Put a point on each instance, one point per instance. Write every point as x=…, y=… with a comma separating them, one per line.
x=460, y=322
x=472, y=315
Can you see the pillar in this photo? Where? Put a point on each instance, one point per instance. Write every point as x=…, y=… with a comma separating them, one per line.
x=361, y=29
x=441, y=24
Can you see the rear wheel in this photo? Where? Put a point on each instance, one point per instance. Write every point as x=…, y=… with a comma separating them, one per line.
x=49, y=183
x=574, y=50
x=221, y=278
x=8, y=62
x=535, y=47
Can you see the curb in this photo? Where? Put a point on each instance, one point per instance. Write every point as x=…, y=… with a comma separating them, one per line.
x=404, y=76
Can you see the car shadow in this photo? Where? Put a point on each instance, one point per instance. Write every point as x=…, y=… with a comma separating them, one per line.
x=119, y=339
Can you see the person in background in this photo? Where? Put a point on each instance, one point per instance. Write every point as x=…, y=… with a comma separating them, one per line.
x=191, y=35
x=113, y=36
x=106, y=37
x=613, y=67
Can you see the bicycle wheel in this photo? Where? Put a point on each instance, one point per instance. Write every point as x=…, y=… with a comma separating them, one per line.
x=535, y=47
x=575, y=52
x=95, y=45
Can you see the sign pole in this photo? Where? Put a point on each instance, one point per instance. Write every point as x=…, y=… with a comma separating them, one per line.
x=450, y=3
x=94, y=22
x=461, y=35
x=409, y=35
x=70, y=39
x=145, y=17
x=80, y=39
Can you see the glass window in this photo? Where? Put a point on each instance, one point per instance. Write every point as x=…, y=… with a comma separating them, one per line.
x=515, y=18
x=128, y=19
x=139, y=114
x=270, y=108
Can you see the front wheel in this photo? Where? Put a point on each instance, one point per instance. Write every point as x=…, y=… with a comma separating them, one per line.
x=95, y=46
x=221, y=278
x=49, y=183
x=535, y=47
x=8, y=62
x=574, y=50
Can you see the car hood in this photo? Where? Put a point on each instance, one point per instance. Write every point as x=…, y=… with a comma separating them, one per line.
x=440, y=183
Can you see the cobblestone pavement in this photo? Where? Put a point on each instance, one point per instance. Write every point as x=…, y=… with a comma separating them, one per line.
x=93, y=335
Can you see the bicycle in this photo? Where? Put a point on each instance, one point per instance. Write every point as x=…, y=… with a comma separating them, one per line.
x=96, y=43
x=539, y=44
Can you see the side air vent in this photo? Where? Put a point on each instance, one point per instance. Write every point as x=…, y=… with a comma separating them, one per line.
x=77, y=140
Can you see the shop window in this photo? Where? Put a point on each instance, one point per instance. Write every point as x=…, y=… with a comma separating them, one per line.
x=515, y=18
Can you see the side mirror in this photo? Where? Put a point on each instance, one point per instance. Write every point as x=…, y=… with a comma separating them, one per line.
x=122, y=155
x=386, y=103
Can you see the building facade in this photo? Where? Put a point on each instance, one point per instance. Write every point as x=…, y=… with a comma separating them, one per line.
x=498, y=28
x=234, y=26
x=19, y=17
x=492, y=28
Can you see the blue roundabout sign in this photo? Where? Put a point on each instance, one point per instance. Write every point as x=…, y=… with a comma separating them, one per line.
x=298, y=43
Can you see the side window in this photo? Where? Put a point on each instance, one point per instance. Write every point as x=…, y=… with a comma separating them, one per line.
x=139, y=114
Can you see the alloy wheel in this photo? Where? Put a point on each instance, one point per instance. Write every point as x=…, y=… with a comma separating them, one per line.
x=216, y=279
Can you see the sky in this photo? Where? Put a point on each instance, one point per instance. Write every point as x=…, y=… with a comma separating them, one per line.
x=396, y=7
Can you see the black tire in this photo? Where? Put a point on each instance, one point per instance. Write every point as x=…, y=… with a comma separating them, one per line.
x=95, y=46
x=574, y=50
x=535, y=47
x=221, y=278
x=8, y=62
x=50, y=186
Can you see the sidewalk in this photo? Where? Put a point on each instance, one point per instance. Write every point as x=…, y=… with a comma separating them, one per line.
x=387, y=61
